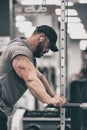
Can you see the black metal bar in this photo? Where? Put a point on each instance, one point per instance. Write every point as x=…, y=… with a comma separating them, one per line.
x=68, y=105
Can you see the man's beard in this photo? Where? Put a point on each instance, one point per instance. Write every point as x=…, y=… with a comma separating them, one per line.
x=38, y=52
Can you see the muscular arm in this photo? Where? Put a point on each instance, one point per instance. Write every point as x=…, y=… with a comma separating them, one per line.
x=46, y=84
x=36, y=83
x=26, y=70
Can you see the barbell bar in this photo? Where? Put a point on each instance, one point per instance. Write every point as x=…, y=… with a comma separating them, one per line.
x=69, y=105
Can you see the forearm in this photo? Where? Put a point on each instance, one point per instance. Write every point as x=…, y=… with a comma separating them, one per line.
x=37, y=89
x=49, y=90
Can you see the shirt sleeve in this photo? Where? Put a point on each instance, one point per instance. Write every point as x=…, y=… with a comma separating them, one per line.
x=20, y=50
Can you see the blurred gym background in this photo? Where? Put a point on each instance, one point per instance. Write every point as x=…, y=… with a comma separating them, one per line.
x=22, y=16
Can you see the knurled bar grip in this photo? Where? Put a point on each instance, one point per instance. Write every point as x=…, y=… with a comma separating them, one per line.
x=70, y=105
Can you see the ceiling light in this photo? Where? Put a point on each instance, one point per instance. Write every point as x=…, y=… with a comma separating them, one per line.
x=78, y=35
x=28, y=31
x=19, y=18
x=46, y=2
x=83, y=44
x=75, y=26
x=23, y=24
x=71, y=19
x=69, y=12
x=40, y=2
x=82, y=1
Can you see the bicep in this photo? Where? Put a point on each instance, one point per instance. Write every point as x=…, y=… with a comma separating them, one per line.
x=23, y=67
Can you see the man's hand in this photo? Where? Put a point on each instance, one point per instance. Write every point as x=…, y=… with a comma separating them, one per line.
x=58, y=101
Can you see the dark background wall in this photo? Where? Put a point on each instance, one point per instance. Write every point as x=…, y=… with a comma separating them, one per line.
x=4, y=18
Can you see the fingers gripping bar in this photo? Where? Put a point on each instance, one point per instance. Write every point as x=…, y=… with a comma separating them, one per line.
x=70, y=105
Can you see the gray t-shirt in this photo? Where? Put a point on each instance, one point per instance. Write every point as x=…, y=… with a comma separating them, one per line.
x=12, y=86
